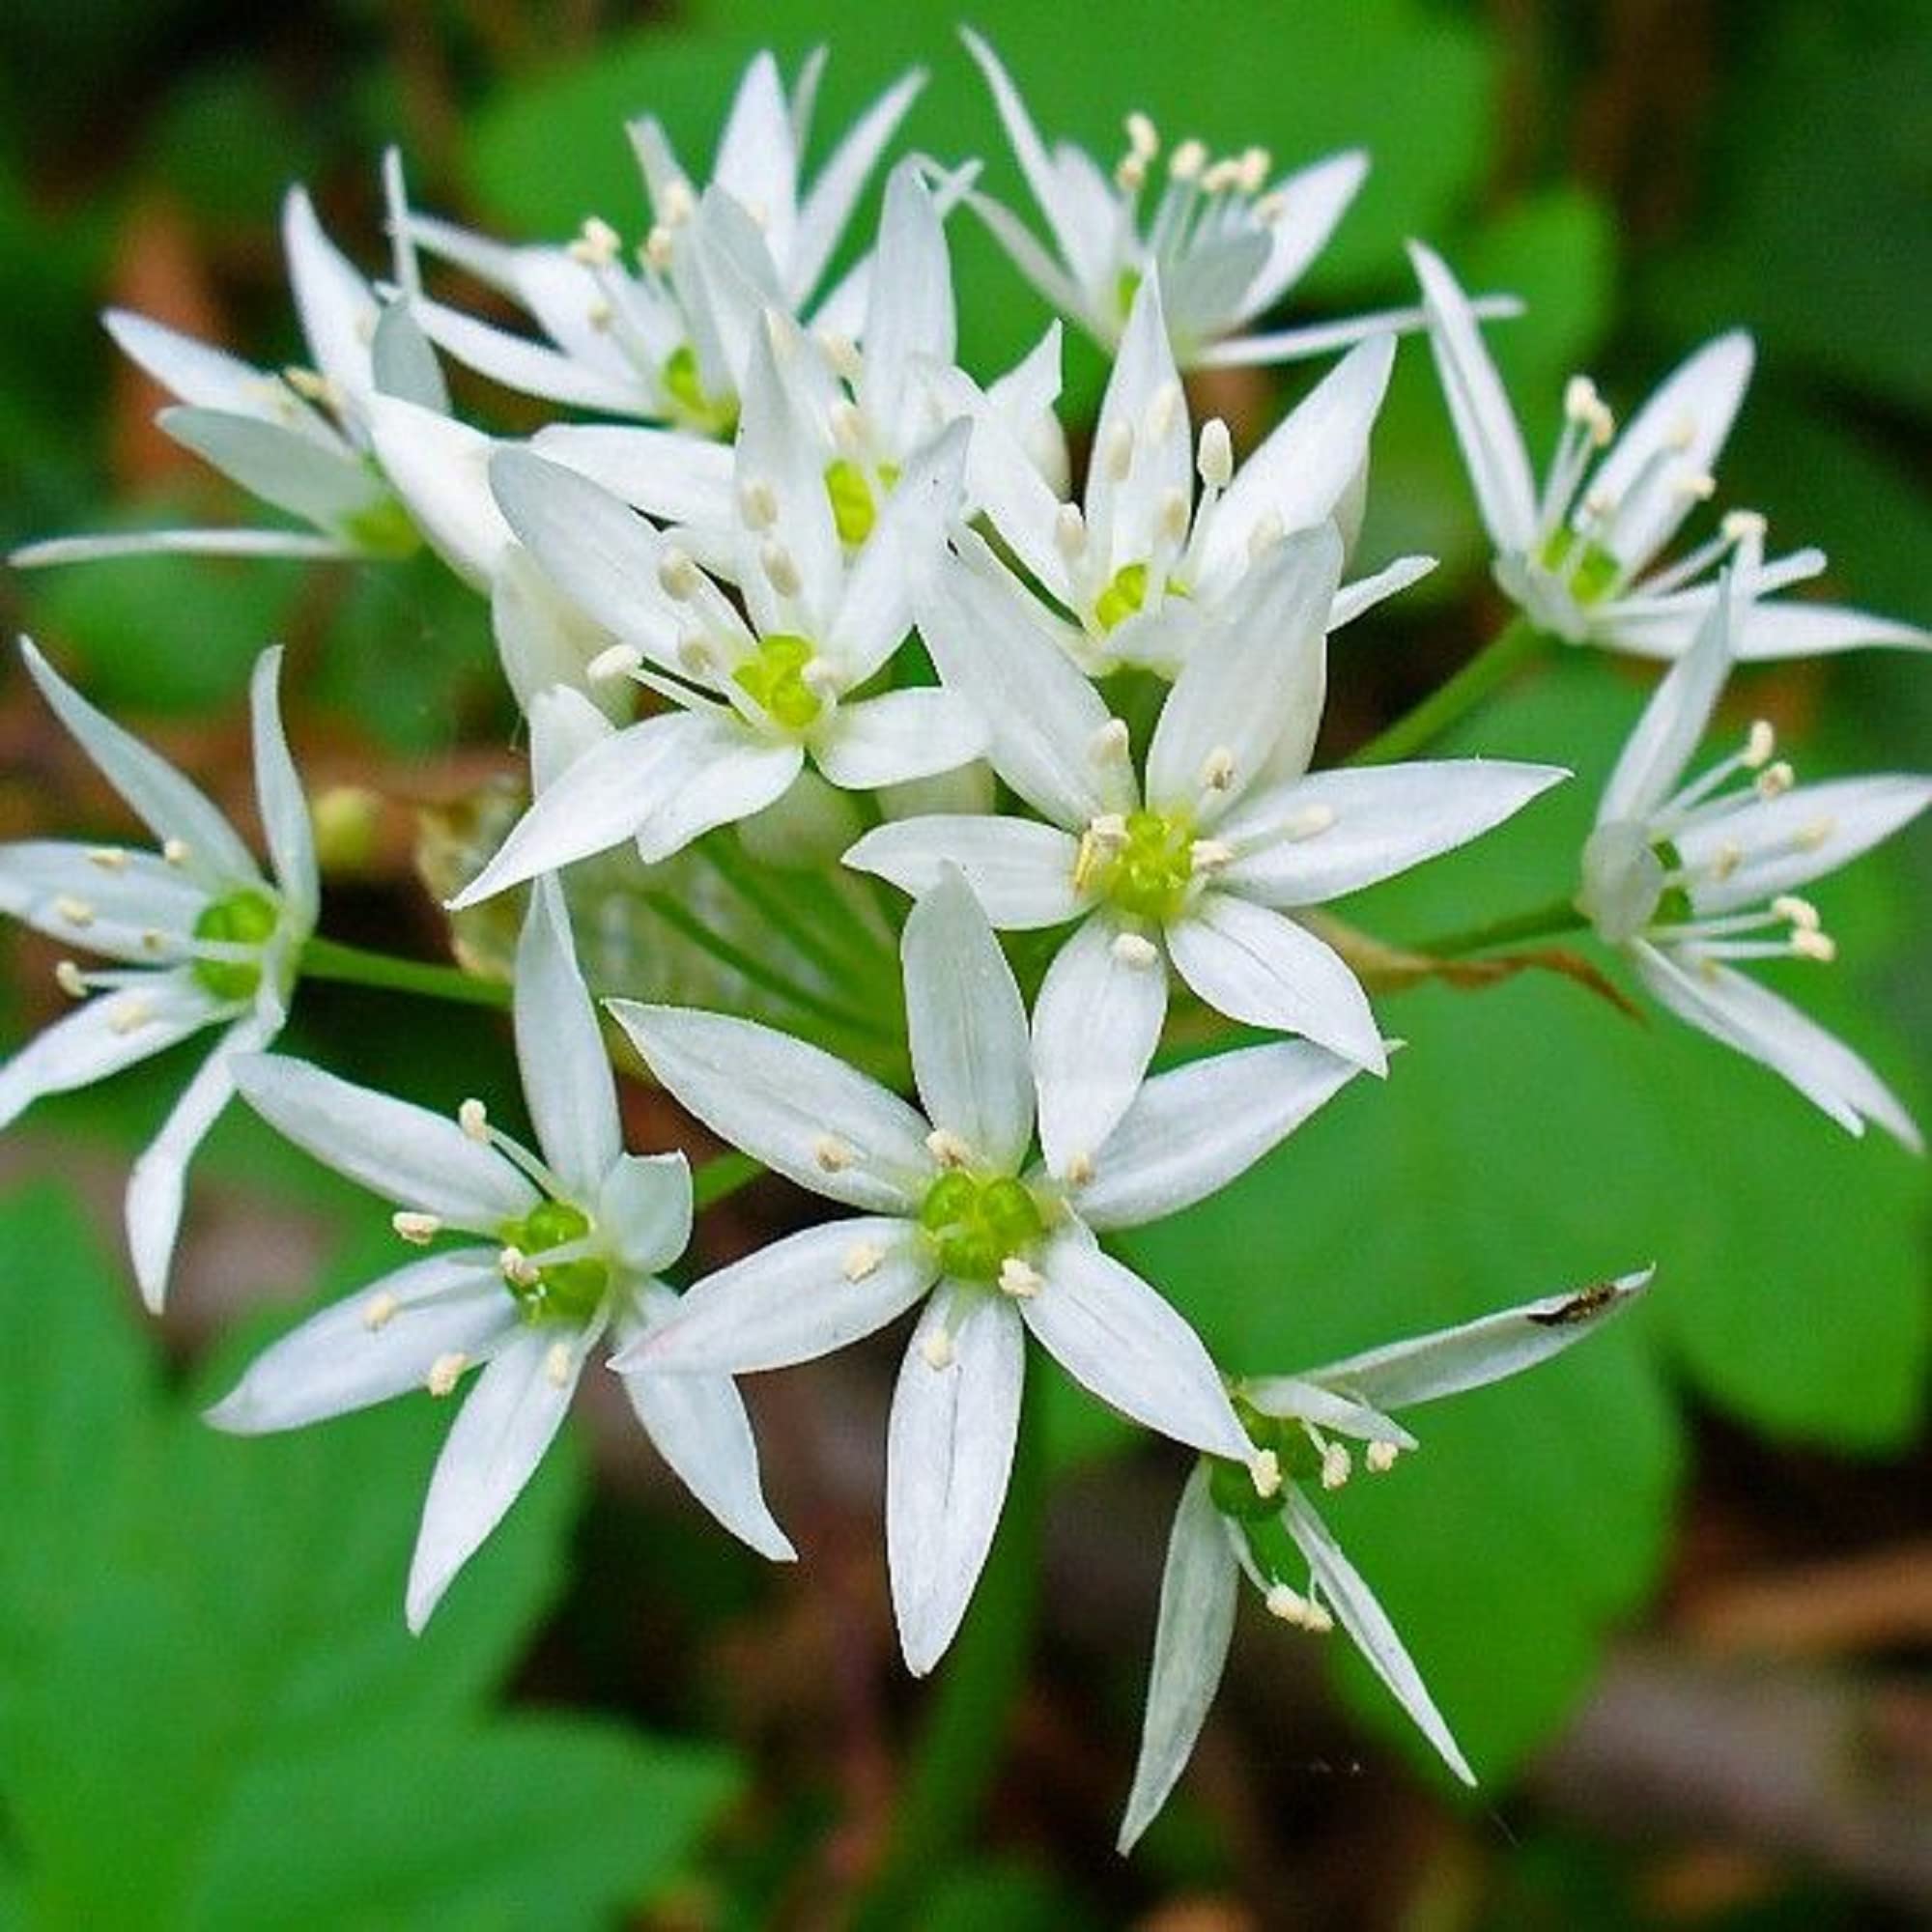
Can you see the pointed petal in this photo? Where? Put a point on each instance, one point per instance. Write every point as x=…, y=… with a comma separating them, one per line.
x=337, y=308
x=1198, y=1589
x=1366, y=592
x=1304, y=1401
x=1674, y=720
x=909, y=315
x=1191, y=1132
x=330, y=488
x=1020, y=871
x=1144, y=414
x=279, y=797
x=211, y=378
x=1366, y=1621
x=1774, y=630
x=402, y=362
x=644, y=1206
x=377, y=1343
x=99, y=1039
x=949, y=1455
x=1311, y=201
x=407, y=1155
x=679, y=477
x=1113, y=1334
x=181, y=542
x=896, y=736
x=1029, y=152
x=507, y=1423
x=791, y=1105
x=564, y=725
x=776, y=448
x=134, y=906
x=793, y=1301
x=1255, y=965
x=835, y=192
x=531, y=368
x=756, y=160
x=440, y=470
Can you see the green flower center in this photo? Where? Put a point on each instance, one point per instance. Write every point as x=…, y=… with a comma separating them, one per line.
x=973, y=1224
x=854, y=508
x=1589, y=568
x=1125, y=288
x=567, y=1291
x=773, y=679
x=1125, y=596
x=1143, y=863
x=245, y=918
x=683, y=384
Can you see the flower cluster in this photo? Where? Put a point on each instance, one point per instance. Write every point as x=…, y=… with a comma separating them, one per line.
x=817, y=594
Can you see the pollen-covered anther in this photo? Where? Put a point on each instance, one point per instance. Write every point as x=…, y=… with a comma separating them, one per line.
x=677, y=575
x=781, y=568
x=130, y=1015
x=378, y=1311
x=861, y=1259
x=1133, y=949
x=617, y=661
x=1108, y=830
x=1143, y=136
x=175, y=851
x=757, y=504
x=1808, y=944
x=107, y=858
x=1255, y=165
x=1223, y=174
x=1189, y=159
x=597, y=245
x=947, y=1147
x=1698, y=487
x=1214, y=455
x=75, y=912
x=821, y=678
x=1117, y=451
x=1020, y=1278
x=557, y=1365
x=1211, y=855
x=1739, y=525
x=1379, y=1457
x=831, y=1156
x=1130, y=173
x=1080, y=1169
x=1337, y=1465
x=1290, y=1605
x=1316, y=1620
x=517, y=1268
x=1583, y=405
x=848, y=425
x=1271, y=206
x=1265, y=1471
x=1069, y=531
x=678, y=204
x=473, y=1118
x=1759, y=744
x=416, y=1229
x=70, y=979
x=937, y=1349
x=445, y=1372
x=1774, y=781
x=1800, y=913
x=658, y=247
x=1110, y=743
x=1217, y=769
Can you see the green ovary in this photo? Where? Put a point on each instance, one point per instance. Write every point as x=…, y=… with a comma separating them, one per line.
x=1148, y=872
x=854, y=508
x=975, y=1224
x=569, y=1291
x=242, y=918
x=773, y=679
x=684, y=385
x=1126, y=594
x=1591, y=570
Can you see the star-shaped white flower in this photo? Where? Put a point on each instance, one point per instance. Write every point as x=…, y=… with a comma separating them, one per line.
x=574, y=1237
x=1685, y=878
x=1200, y=865
x=951, y=1209
x=669, y=339
x=1227, y=237
x=201, y=936
x=1582, y=557
x=1224, y=1529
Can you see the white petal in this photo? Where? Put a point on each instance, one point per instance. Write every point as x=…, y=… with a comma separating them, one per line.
x=1049, y=279
x=1485, y=424
x=1382, y=820
x=793, y=1301
x=679, y=477
x=544, y=642
x=756, y=160
x=567, y=1082
x=1311, y=201
x=909, y=307
x=507, y=1423
x=1674, y=720
x=1364, y=1619
x=1032, y=155
x=338, y=309
x=564, y=725
x=644, y=1208
x=1191, y=1132
x=789, y=1104
x=1112, y=1333
x=776, y=448
x=897, y=736
x=1477, y=1353
x=440, y=470
x=181, y=542
x=1198, y=1589
x=531, y=368
x=279, y=797
x=1296, y=1396
x=211, y=378
x=949, y=1455
x=402, y=362
x=1772, y=630
x=966, y=1026
x=1020, y=871
x=332, y=488
x=407, y=1155
x=124, y=905
x=699, y=1427
x=377, y=1343
x=1366, y=592
x=1124, y=513
x=828, y=207
x=165, y=802
x=1004, y=480
x=1258, y=966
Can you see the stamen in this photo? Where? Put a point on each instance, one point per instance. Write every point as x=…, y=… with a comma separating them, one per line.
x=1142, y=137
x=1290, y=1605
x=1727, y=860
x=679, y=204
x=1069, y=531
x=1759, y=745
x=473, y=1118
x=947, y=1147
x=1809, y=837
x=1108, y=830
x=611, y=664
x=677, y=575
x=1316, y=1620
x=109, y=858
x=419, y=1230
x=849, y=426
x=697, y=657
x=517, y=1269
x=1265, y=1473
x=1799, y=912
x=597, y=245
x=1176, y=513
x=1214, y=457
x=312, y=387
x=378, y=1311
x=1807, y=944
x=1739, y=525
x=780, y=568
x=1130, y=174
x=830, y=1154
x=600, y=315
x=758, y=505
x=1699, y=487
x=658, y=247
x=1309, y=822
x=130, y=1015
x=861, y=1259
x=175, y=851
x=1585, y=406
x=1020, y=1279
x=1217, y=769
x=1222, y=176
x=70, y=979
x=1187, y=161
x=1080, y=1169
x=937, y=1349
x=1255, y=166
x=1130, y=948
x=1209, y=855
x=1379, y=1457
x=841, y=352
x=445, y=1372
x=1774, y=781
x=1337, y=1465
x=75, y=912
x=557, y=1365
x=1110, y=744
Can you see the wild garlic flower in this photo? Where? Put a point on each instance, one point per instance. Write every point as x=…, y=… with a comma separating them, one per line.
x=954, y=1213
x=1687, y=878
x=1226, y=1529
x=669, y=338
x=1139, y=562
x=575, y=1238
x=1200, y=862
x=1583, y=558
x=298, y=439
x=201, y=937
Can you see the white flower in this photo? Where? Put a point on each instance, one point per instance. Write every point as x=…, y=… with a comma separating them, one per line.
x=201, y=937
x=1685, y=878
x=1138, y=562
x=754, y=700
x=1227, y=237
x=1204, y=863
x=576, y=1238
x=1224, y=1529
x=1579, y=558
x=951, y=1209
x=301, y=439
x=669, y=339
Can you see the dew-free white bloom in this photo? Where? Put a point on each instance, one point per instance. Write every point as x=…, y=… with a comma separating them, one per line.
x=1582, y=557
x=1686, y=877
x=577, y=1236
x=1224, y=1530
x=1200, y=865
x=201, y=937
x=951, y=1209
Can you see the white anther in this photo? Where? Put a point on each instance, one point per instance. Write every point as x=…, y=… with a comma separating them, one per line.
x=1727, y=860
x=1069, y=531
x=557, y=1365
x=1818, y=946
x=1142, y=137
x=758, y=503
x=830, y=1154
x=696, y=656
x=1130, y=173
x=473, y=1118
x=1809, y=837
x=419, y=1230
x=445, y=1372
x=1337, y=1465
x=1265, y=1473
x=1176, y=513
x=70, y=979
x=1316, y=1621
x=1020, y=1279
x=1798, y=912
x=848, y=425
x=1581, y=400
x=1267, y=532
x=1699, y=487
x=1271, y=206
x=378, y=1311
x=659, y=247
x=1107, y=830
x=1161, y=410
x=108, y=858
x=1130, y=948
x=677, y=575
x=76, y=912
x=1225, y=174
x=1187, y=161
x=1217, y=769
x=600, y=315
x=1309, y=822
x=679, y=204
x=1117, y=451
x=1774, y=781
x=1079, y=1170
x=517, y=1268
x=1256, y=163
x=175, y=851
x=937, y=1349
x=1739, y=525
x=1110, y=744
x=1380, y=1455
x=1759, y=745
x=616, y=662
x=130, y=1015
x=947, y=1147
x=1214, y=456
x=598, y=245
x=1290, y=1605
x=1209, y=855
x=861, y=1259
x=781, y=568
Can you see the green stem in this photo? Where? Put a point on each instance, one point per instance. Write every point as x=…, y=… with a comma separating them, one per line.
x=1541, y=923
x=1498, y=661
x=353, y=966
x=722, y=1175
x=946, y=1785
